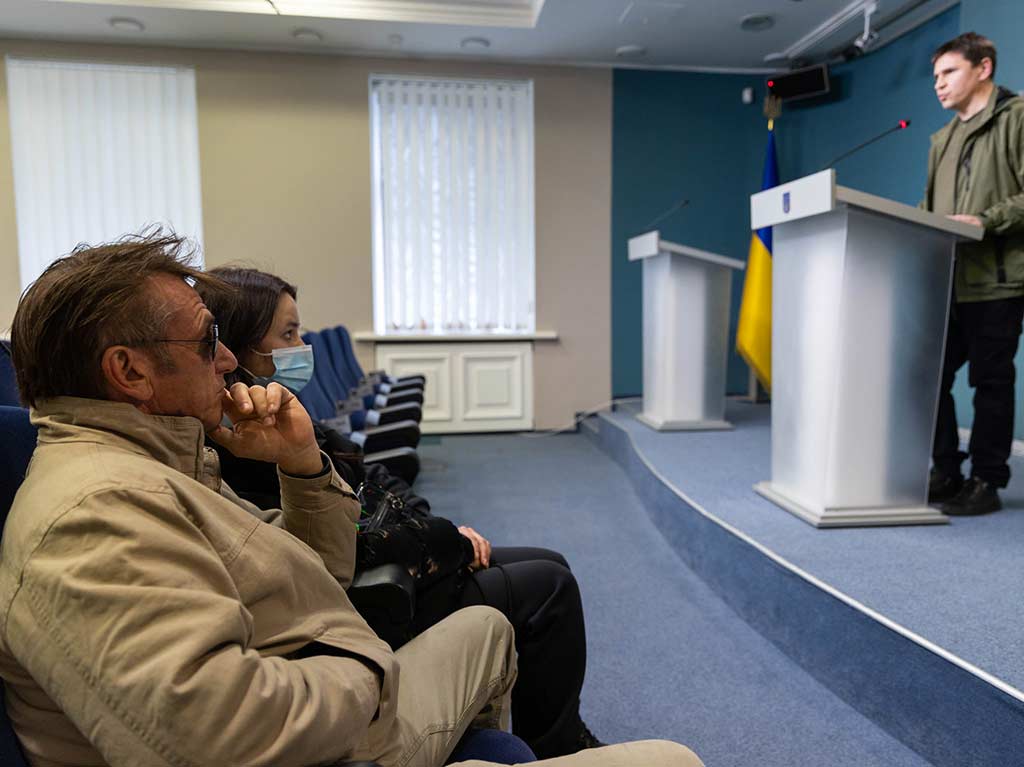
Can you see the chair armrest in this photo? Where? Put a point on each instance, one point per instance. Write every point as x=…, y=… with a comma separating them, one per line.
x=402, y=462
x=388, y=436
x=406, y=395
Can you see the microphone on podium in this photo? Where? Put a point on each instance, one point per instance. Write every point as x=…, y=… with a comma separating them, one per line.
x=676, y=206
x=897, y=127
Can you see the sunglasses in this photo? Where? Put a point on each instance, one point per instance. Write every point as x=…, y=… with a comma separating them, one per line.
x=207, y=344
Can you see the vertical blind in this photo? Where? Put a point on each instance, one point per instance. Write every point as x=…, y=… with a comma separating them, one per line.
x=453, y=239
x=100, y=150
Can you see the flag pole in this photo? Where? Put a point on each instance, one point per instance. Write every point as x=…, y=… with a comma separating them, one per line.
x=755, y=392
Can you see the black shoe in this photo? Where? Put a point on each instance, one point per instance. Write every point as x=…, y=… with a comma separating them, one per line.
x=976, y=497
x=943, y=487
x=586, y=739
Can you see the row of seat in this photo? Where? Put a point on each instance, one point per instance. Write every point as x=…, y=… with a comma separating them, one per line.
x=379, y=412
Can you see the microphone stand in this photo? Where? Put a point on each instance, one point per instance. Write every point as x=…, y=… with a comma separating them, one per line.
x=658, y=219
x=898, y=127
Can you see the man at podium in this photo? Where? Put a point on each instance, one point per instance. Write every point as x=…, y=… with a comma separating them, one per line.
x=976, y=175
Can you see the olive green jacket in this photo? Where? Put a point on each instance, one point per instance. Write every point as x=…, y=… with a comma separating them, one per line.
x=149, y=619
x=990, y=185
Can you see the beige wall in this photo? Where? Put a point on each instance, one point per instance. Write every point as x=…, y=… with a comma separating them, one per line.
x=284, y=161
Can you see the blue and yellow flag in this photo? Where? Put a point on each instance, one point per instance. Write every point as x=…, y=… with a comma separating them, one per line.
x=754, y=332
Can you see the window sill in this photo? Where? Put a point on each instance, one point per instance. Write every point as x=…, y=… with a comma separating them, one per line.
x=368, y=336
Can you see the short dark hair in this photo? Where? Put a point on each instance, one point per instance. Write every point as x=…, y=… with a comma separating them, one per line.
x=87, y=301
x=971, y=46
x=244, y=314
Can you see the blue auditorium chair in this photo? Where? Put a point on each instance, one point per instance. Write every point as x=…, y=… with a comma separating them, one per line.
x=376, y=415
x=318, y=402
x=343, y=376
x=19, y=440
x=15, y=453
x=322, y=403
x=375, y=376
x=8, y=383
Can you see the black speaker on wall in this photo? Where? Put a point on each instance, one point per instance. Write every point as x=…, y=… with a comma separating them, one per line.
x=799, y=84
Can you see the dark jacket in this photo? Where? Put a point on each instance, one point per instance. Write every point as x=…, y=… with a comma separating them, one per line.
x=990, y=185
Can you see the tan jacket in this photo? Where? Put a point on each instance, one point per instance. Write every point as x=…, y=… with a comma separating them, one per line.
x=148, y=618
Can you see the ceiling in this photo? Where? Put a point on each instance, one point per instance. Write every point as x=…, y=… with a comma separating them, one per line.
x=672, y=34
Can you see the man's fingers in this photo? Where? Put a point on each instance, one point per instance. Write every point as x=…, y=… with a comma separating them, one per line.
x=258, y=395
x=239, y=394
x=277, y=396
x=232, y=408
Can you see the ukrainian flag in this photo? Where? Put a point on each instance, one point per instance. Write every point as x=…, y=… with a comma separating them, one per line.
x=754, y=332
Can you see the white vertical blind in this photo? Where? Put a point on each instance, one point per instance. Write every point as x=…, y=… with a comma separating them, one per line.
x=100, y=150
x=453, y=239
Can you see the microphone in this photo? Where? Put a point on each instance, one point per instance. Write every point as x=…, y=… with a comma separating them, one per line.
x=676, y=206
x=898, y=127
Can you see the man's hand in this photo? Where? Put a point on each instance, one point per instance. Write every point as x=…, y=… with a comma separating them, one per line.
x=965, y=219
x=481, y=548
x=270, y=424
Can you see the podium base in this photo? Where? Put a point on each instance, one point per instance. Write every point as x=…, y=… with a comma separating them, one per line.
x=661, y=424
x=852, y=517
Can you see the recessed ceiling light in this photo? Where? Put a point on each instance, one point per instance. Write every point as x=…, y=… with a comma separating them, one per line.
x=475, y=44
x=630, y=51
x=757, y=22
x=125, y=24
x=307, y=35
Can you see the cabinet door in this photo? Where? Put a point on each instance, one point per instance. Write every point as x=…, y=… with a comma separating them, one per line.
x=469, y=386
x=496, y=387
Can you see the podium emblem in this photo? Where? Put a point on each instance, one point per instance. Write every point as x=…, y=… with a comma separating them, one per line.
x=785, y=202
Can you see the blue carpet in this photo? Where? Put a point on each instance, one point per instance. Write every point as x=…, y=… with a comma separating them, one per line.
x=667, y=658
x=956, y=585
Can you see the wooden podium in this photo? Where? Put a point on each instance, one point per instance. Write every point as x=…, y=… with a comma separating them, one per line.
x=686, y=333
x=860, y=298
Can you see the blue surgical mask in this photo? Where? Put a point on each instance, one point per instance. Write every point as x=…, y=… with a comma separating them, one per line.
x=293, y=367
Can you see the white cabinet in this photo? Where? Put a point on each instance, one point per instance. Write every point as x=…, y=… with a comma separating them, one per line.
x=470, y=386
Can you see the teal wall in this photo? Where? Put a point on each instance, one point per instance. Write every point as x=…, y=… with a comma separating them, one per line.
x=871, y=94
x=677, y=135
x=687, y=135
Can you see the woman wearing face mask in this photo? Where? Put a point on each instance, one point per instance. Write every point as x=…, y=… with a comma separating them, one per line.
x=453, y=567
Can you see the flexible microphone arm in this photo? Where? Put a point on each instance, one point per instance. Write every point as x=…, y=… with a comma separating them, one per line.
x=676, y=206
x=898, y=127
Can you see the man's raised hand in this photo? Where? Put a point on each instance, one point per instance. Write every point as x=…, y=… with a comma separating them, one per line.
x=270, y=424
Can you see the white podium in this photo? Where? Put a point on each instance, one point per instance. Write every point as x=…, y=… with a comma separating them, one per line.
x=686, y=333
x=860, y=298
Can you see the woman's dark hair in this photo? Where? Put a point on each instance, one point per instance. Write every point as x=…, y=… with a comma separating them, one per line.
x=244, y=316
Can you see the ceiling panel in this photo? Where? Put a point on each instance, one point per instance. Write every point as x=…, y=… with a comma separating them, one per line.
x=672, y=34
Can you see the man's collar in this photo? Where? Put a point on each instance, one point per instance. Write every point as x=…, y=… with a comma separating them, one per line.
x=176, y=441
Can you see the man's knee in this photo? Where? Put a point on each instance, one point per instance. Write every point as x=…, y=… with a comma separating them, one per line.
x=664, y=753
x=487, y=623
x=486, y=633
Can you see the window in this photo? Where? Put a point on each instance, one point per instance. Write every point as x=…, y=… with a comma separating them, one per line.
x=452, y=205
x=100, y=150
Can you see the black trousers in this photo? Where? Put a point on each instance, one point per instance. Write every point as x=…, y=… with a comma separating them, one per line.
x=538, y=594
x=983, y=335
